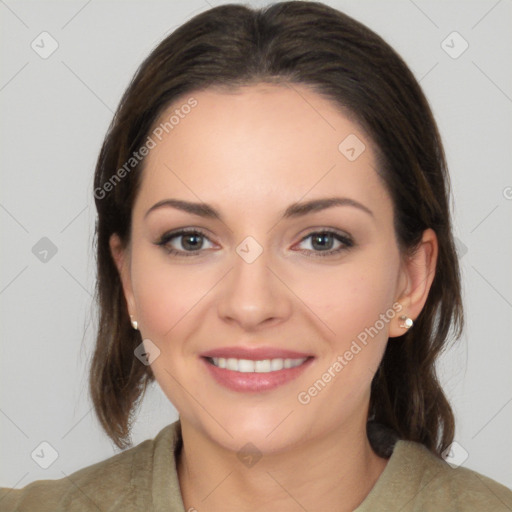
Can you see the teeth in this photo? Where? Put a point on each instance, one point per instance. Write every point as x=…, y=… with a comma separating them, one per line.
x=244, y=365
x=260, y=366
x=277, y=364
x=232, y=364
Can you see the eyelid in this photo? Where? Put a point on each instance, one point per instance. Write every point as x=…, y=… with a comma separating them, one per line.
x=180, y=231
x=332, y=231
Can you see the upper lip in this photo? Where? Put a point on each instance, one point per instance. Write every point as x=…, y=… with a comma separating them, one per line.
x=255, y=353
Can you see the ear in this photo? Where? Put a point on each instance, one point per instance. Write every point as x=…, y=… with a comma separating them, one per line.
x=416, y=277
x=121, y=257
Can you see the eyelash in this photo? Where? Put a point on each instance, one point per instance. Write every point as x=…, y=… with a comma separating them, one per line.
x=347, y=242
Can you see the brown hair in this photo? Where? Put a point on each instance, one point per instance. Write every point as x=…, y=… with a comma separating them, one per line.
x=304, y=43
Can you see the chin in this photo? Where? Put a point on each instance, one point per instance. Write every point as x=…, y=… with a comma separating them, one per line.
x=269, y=432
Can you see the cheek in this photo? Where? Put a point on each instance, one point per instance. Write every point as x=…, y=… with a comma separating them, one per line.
x=356, y=301
x=352, y=297
x=164, y=294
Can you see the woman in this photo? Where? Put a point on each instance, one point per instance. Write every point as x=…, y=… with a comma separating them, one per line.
x=275, y=249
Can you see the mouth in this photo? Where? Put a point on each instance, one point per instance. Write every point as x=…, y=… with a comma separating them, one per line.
x=255, y=366
x=250, y=372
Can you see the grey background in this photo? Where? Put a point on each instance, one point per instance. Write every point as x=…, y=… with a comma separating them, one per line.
x=55, y=112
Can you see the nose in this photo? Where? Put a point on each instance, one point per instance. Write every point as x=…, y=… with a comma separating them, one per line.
x=253, y=294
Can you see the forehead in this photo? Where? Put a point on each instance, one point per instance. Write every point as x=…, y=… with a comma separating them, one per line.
x=257, y=143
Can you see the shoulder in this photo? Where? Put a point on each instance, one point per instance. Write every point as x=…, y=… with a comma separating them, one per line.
x=112, y=484
x=416, y=479
x=440, y=484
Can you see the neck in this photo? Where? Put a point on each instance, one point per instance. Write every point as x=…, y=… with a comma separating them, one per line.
x=335, y=472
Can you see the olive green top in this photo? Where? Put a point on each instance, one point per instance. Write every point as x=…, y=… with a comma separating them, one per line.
x=144, y=478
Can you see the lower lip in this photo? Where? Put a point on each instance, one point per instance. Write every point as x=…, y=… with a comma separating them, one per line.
x=252, y=381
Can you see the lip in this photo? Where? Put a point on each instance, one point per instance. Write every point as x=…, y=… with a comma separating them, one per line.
x=255, y=382
x=254, y=353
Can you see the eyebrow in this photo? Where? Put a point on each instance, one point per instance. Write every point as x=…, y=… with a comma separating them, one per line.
x=294, y=210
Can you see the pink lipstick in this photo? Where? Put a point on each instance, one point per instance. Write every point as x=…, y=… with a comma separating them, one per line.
x=256, y=369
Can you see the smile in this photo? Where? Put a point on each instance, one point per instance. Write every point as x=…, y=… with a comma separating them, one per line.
x=255, y=366
x=255, y=375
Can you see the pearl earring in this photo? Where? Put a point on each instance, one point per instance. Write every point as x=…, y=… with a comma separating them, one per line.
x=407, y=322
x=135, y=324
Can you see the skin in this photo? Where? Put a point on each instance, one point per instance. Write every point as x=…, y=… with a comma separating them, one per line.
x=250, y=154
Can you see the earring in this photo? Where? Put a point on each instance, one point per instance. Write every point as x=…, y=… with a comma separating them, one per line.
x=135, y=324
x=407, y=322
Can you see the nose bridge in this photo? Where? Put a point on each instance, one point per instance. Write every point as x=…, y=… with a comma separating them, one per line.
x=252, y=294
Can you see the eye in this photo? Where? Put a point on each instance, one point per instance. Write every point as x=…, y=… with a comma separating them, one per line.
x=190, y=242
x=185, y=242
x=323, y=243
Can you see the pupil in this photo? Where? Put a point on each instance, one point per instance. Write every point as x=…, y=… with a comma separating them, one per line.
x=192, y=245
x=321, y=241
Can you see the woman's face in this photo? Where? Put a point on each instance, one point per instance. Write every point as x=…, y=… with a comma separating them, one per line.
x=275, y=277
